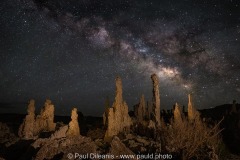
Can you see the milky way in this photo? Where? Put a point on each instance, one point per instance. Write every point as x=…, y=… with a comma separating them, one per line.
x=71, y=52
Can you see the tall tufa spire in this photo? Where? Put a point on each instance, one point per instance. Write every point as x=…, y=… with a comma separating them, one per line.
x=156, y=99
x=192, y=112
x=117, y=118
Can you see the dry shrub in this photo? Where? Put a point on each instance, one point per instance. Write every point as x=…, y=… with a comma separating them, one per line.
x=191, y=139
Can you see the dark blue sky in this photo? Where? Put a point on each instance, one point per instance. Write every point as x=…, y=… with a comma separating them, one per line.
x=71, y=51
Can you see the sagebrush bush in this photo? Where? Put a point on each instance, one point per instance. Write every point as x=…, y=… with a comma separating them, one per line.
x=191, y=139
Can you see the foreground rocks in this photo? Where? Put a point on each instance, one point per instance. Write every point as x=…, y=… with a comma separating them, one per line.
x=61, y=147
x=118, y=148
x=60, y=144
x=142, y=135
x=142, y=144
x=7, y=138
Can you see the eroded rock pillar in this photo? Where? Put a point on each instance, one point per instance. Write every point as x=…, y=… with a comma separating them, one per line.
x=73, y=127
x=140, y=110
x=192, y=112
x=177, y=114
x=45, y=121
x=156, y=99
x=26, y=129
x=118, y=119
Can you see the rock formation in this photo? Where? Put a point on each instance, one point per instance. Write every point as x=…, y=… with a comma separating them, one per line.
x=177, y=114
x=140, y=110
x=7, y=137
x=118, y=148
x=60, y=133
x=26, y=129
x=97, y=133
x=73, y=127
x=234, y=108
x=192, y=112
x=149, y=110
x=156, y=100
x=183, y=109
x=117, y=118
x=62, y=147
x=107, y=105
x=142, y=144
x=45, y=121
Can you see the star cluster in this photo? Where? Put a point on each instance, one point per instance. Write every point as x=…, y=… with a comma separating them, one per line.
x=71, y=52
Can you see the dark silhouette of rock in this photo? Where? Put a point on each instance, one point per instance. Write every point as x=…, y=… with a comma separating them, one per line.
x=96, y=133
x=140, y=110
x=183, y=109
x=234, y=108
x=149, y=110
x=107, y=106
x=118, y=119
x=26, y=129
x=7, y=138
x=156, y=99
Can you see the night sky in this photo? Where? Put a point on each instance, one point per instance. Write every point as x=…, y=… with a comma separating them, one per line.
x=70, y=51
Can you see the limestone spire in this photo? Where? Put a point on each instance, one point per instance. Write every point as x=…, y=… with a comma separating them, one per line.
x=234, y=108
x=118, y=97
x=140, y=109
x=31, y=107
x=117, y=117
x=190, y=99
x=73, y=127
x=48, y=111
x=156, y=99
x=45, y=121
x=149, y=110
x=107, y=106
x=190, y=108
x=177, y=114
x=192, y=112
x=107, y=103
x=26, y=129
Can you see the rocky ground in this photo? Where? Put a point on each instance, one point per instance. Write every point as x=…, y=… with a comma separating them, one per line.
x=57, y=146
x=138, y=141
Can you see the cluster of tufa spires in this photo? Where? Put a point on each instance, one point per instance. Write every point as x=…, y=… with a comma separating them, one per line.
x=193, y=114
x=33, y=125
x=115, y=119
